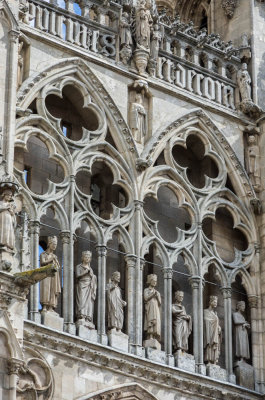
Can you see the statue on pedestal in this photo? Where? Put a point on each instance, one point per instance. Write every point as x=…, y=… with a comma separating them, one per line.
x=115, y=303
x=143, y=24
x=152, y=317
x=86, y=288
x=125, y=38
x=50, y=287
x=182, y=323
x=212, y=333
x=241, y=332
x=138, y=119
x=244, y=83
x=253, y=162
x=7, y=220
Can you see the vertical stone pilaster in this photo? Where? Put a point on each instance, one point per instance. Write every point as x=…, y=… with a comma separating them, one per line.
x=34, y=231
x=253, y=305
x=130, y=260
x=14, y=365
x=168, y=273
x=102, y=255
x=227, y=294
x=197, y=332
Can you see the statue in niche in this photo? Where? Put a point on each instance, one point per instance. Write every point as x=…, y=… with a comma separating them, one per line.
x=7, y=220
x=86, y=288
x=152, y=317
x=138, y=119
x=20, y=68
x=143, y=26
x=212, y=333
x=241, y=332
x=115, y=303
x=253, y=161
x=244, y=83
x=155, y=43
x=125, y=38
x=182, y=323
x=50, y=287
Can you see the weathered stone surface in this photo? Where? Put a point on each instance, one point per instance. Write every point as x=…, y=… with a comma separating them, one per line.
x=118, y=340
x=185, y=361
x=86, y=333
x=216, y=372
x=52, y=320
x=155, y=355
x=244, y=374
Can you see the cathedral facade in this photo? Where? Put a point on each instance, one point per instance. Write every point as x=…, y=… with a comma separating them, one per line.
x=132, y=199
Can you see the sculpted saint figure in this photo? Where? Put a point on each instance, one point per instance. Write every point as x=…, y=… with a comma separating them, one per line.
x=125, y=30
x=138, y=118
x=7, y=220
x=152, y=317
x=50, y=287
x=253, y=161
x=86, y=288
x=212, y=333
x=182, y=323
x=241, y=332
x=244, y=82
x=156, y=39
x=115, y=303
x=143, y=24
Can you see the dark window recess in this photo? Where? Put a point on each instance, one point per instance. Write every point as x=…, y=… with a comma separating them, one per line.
x=67, y=129
x=204, y=21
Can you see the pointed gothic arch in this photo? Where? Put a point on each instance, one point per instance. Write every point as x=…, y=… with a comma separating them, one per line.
x=132, y=391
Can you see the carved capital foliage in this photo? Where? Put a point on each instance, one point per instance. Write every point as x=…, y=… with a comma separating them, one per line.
x=253, y=301
x=101, y=250
x=65, y=237
x=229, y=7
x=227, y=292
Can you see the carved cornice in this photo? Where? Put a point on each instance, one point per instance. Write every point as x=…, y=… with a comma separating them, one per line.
x=130, y=366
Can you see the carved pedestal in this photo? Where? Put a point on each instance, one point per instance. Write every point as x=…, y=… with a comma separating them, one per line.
x=52, y=320
x=184, y=361
x=216, y=372
x=244, y=374
x=86, y=330
x=156, y=355
x=118, y=340
x=153, y=343
x=141, y=58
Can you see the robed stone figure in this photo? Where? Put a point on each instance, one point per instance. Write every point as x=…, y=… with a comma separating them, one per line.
x=212, y=333
x=115, y=303
x=7, y=220
x=253, y=161
x=50, y=287
x=241, y=332
x=244, y=83
x=182, y=323
x=152, y=302
x=138, y=119
x=86, y=288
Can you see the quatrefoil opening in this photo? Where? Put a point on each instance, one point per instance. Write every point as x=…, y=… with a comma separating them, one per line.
x=37, y=167
x=74, y=116
x=193, y=158
x=228, y=239
x=105, y=195
x=166, y=214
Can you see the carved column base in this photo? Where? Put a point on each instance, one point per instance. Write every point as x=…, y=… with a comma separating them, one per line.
x=69, y=327
x=156, y=355
x=216, y=372
x=244, y=374
x=52, y=320
x=103, y=339
x=170, y=360
x=184, y=361
x=118, y=340
x=141, y=58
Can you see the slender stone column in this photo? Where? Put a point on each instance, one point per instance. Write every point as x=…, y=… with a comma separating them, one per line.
x=68, y=293
x=130, y=260
x=227, y=293
x=102, y=254
x=195, y=284
x=253, y=304
x=34, y=231
x=168, y=272
x=14, y=365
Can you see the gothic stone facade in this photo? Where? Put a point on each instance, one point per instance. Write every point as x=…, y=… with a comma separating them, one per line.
x=132, y=199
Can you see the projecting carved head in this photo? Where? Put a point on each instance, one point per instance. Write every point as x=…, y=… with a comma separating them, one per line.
x=52, y=242
x=152, y=280
x=86, y=255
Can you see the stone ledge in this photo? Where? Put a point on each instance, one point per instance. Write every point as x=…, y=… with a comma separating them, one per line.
x=69, y=346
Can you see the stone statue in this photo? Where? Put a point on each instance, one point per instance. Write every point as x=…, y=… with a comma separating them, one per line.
x=212, y=333
x=50, y=287
x=125, y=30
x=115, y=303
x=7, y=220
x=152, y=317
x=138, y=118
x=253, y=161
x=182, y=323
x=241, y=332
x=143, y=24
x=244, y=83
x=20, y=68
x=155, y=42
x=86, y=288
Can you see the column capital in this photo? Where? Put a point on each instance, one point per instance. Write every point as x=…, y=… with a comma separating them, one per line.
x=168, y=273
x=65, y=237
x=138, y=204
x=130, y=259
x=14, y=35
x=227, y=292
x=142, y=262
x=14, y=365
x=195, y=281
x=34, y=227
x=253, y=301
x=101, y=250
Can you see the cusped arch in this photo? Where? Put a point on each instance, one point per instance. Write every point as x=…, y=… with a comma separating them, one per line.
x=92, y=222
x=132, y=391
x=7, y=330
x=125, y=238
x=199, y=118
x=247, y=280
x=160, y=249
x=189, y=260
x=59, y=213
x=220, y=272
x=77, y=67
